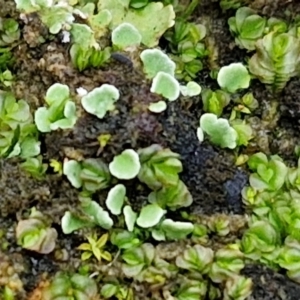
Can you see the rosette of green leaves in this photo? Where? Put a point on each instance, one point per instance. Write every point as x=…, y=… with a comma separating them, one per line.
x=143, y=264
x=63, y=285
x=92, y=174
x=172, y=197
x=137, y=259
x=238, y=288
x=35, y=167
x=292, y=219
x=247, y=27
x=35, y=233
x=9, y=31
x=261, y=242
x=227, y=263
x=186, y=44
x=18, y=136
x=159, y=272
x=159, y=167
x=276, y=208
x=276, y=60
x=196, y=258
x=270, y=173
x=214, y=101
x=61, y=111
x=219, y=224
x=289, y=259
x=191, y=288
x=113, y=287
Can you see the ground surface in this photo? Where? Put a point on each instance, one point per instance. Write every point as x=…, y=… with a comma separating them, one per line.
x=209, y=173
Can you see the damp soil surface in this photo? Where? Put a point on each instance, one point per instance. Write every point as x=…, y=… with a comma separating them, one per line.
x=209, y=172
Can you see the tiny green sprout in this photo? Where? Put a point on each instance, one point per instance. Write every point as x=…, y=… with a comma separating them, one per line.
x=270, y=173
x=238, y=288
x=95, y=247
x=215, y=101
x=103, y=139
x=245, y=105
x=196, y=258
x=6, y=78
x=154, y=61
x=158, y=107
x=150, y=216
x=9, y=31
x=159, y=167
x=191, y=89
x=125, y=165
x=126, y=36
x=130, y=217
x=244, y=131
x=249, y=101
x=61, y=112
x=81, y=287
x=35, y=234
x=228, y=262
x=57, y=166
x=241, y=159
x=219, y=223
x=219, y=130
x=8, y=293
x=176, y=230
x=247, y=27
x=83, y=58
x=115, y=199
x=172, y=197
x=35, y=167
x=100, y=100
x=249, y=196
x=166, y=85
x=234, y=77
